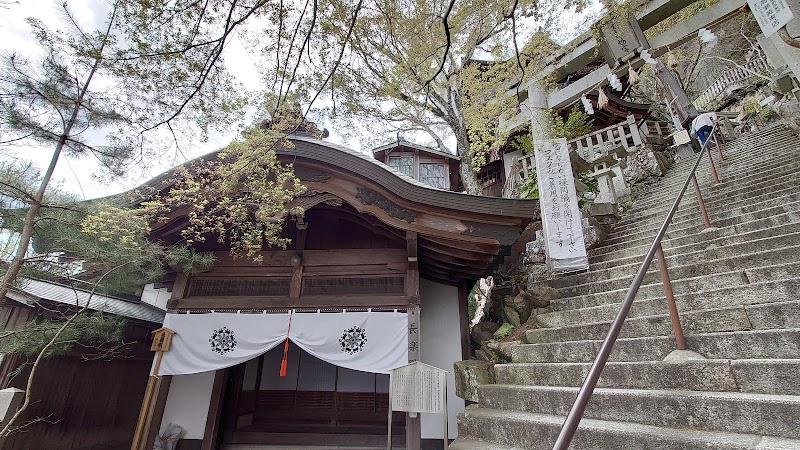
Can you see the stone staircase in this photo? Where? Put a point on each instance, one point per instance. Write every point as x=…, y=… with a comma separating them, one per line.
x=736, y=287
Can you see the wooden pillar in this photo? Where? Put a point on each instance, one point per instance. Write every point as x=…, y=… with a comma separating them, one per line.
x=463, y=317
x=296, y=287
x=214, y=409
x=153, y=423
x=413, y=429
x=154, y=426
x=675, y=93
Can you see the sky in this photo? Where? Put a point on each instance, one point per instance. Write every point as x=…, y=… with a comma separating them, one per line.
x=77, y=175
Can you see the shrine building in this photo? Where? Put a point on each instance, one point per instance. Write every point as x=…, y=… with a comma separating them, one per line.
x=377, y=274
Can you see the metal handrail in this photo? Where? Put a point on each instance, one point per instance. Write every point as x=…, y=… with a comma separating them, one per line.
x=576, y=413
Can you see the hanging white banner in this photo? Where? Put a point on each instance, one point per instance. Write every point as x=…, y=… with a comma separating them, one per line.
x=771, y=15
x=216, y=340
x=374, y=342
x=367, y=341
x=561, y=217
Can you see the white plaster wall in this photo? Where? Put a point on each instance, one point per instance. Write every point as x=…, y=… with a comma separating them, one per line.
x=155, y=297
x=187, y=403
x=440, y=346
x=508, y=161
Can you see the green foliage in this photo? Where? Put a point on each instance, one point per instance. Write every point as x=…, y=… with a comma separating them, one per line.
x=523, y=143
x=89, y=331
x=578, y=123
x=503, y=331
x=241, y=196
x=472, y=304
x=530, y=189
x=761, y=115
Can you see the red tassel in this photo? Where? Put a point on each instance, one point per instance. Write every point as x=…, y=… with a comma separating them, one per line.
x=285, y=360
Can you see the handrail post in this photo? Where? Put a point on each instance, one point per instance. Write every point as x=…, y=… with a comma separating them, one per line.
x=713, y=166
x=575, y=414
x=716, y=142
x=700, y=202
x=680, y=342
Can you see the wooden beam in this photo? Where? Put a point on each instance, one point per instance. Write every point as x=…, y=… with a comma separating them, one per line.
x=335, y=257
x=296, y=285
x=413, y=426
x=463, y=317
x=428, y=270
x=308, y=301
x=154, y=427
x=451, y=268
x=446, y=281
x=214, y=408
x=451, y=260
x=486, y=248
x=412, y=273
x=453, y=251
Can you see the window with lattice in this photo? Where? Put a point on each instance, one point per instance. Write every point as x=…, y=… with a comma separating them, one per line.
x=433, y=175
x=403, y=164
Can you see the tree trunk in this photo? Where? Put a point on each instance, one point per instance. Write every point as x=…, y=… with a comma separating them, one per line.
x=469, y=177
x=29, y=225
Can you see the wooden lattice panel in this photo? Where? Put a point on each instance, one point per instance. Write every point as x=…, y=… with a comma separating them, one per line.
x=239, y=287
x=355, y=401
x=348, y=286
x=276, y=400
x=315, y=399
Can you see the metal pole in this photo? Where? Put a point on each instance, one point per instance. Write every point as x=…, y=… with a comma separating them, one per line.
x=719, y=149
x=700, y=202
x=389, y=432
x=446, y=414
x=680, y=342
x=584, y=394
x=713, y=166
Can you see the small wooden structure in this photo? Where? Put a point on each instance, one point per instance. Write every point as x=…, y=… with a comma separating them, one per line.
x=84, y=403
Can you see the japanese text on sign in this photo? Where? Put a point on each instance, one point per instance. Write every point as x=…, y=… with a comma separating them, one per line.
x=561, y=217
x=771, y=15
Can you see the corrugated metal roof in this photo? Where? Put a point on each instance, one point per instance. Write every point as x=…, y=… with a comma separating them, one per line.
x=59, y=293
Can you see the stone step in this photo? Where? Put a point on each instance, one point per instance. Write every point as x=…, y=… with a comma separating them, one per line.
x=728, y=171
x=775, y=415
x=531, y=431
x=685, y=229
x=619, y=254
x=466, y=444
x=751, y=294
x=780, y=273
x=740, y=153
x=665, y=190
x=738, y=279
x=694, y=260
x=688, y=208
x=714, y=375
x=739, y=345
x=764, y=316
x=715, y=216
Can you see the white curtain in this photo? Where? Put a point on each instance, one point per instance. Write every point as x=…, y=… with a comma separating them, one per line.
x=367, y=341
x=374, y=342
x=216, y=340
